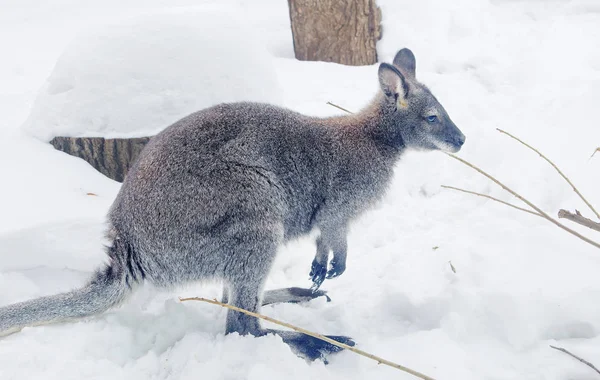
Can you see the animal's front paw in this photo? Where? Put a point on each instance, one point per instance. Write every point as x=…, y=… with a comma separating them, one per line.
x=337, y=268
x=318, y=272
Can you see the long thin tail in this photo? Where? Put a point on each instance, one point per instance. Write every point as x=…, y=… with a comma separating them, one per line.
x=107, y=288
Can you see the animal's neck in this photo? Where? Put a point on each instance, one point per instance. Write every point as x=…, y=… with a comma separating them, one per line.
x=364, y=151
x=372, y=125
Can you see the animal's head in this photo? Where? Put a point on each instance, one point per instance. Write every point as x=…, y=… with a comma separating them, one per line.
x=413, y=110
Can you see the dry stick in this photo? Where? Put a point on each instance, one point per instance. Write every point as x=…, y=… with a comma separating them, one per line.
x=555, y=167
x=579, y=219
x=314, y=335
x=452, y=266
x=576, y=357
x=492, y=198
x=597, y=150
x=342, y=108
x=542, y=213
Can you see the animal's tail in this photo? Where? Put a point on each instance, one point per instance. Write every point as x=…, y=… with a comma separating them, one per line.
x=107, y=288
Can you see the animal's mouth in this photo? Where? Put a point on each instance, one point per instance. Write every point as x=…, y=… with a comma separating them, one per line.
x=449, y=146
x=454, y=147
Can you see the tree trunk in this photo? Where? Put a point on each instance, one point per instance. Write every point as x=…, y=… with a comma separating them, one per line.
x=111, y=157
x=342, y=31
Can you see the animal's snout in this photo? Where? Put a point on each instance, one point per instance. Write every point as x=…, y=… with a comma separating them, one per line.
x=453, y=139
x=460, y=139
x=456, y=140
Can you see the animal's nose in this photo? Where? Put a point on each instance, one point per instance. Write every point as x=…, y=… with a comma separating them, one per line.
x=457, y=140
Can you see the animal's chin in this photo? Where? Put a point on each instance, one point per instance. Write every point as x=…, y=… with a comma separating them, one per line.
x=447, y=147
x=444, y=146
x=452, y=149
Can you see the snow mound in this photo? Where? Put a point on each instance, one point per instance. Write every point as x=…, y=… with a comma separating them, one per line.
x=135, y=77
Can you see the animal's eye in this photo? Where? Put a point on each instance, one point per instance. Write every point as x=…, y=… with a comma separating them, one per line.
x=432, y=118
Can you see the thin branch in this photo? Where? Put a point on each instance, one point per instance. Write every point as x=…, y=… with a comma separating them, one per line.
x=342, y=108
x=597, y=150
x=579, y=219
x=555, y=167
x=542, y=213
x=576, y=357
x=452, y=266
x=492, y=198
x=314, y=335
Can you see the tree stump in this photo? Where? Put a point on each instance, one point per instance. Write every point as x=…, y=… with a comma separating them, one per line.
x=111, y=157
x=342, y=31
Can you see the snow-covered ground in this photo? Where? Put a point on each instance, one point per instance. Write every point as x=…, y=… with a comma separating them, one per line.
x=163, y=66
x=530, y=67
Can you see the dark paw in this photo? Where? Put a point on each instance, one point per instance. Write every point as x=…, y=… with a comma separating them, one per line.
x=318, y=272
x=312, y=349
x=337, y=268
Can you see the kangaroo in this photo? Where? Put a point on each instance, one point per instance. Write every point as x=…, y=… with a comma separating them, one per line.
x=213, y=197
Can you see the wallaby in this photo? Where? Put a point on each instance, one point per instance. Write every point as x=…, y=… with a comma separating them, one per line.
x=213, y=197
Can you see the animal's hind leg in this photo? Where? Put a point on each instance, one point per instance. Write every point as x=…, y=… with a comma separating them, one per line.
x=246, y=277
x=249, y=267
x=245, y=296
x=225, y=296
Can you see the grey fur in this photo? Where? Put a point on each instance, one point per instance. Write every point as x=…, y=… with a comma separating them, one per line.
x=215, y=195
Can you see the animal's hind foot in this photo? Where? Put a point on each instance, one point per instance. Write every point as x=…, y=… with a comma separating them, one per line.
x=311, y=348
x=292, y=295
x=305, y=295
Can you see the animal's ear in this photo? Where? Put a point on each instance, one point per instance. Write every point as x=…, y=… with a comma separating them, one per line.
x=393, y=84
x=406, y=63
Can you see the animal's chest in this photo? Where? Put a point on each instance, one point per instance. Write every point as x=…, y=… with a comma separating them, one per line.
x=304, y=204
x=356, y=191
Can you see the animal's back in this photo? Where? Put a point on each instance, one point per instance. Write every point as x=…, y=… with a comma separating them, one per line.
x=227, y=172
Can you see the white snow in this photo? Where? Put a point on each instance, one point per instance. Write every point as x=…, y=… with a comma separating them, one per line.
x=529, y=67
x=133, y=77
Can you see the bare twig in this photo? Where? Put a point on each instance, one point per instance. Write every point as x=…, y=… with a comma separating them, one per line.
x=540, y=211
x=578, y=218
x=452, y=266
x=314, y=335
x=555, y=167
x=492, y=198
x=342, y=108
x=597, y=150
x=576, y=357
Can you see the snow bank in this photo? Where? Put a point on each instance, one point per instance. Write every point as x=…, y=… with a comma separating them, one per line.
x=135, y=77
